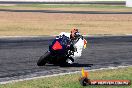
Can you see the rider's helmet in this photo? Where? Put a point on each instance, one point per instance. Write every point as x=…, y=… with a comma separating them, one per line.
x=74, y=34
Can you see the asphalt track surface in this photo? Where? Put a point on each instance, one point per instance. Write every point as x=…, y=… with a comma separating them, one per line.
x=18, y=56
x=66, y=12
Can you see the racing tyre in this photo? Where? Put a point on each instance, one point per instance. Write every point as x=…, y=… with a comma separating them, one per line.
x=43, y=59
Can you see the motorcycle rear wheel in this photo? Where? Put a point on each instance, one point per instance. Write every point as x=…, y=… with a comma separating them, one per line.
x=43, y=59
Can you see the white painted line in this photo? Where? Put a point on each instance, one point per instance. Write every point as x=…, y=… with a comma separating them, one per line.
x=129, y=34
x=57, y=35
x=61, y=74
x=111, y=68
x=25, y=36
x=18, y=36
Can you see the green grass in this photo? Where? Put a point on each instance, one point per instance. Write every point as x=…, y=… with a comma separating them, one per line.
x=66, y=6
x=71, y=81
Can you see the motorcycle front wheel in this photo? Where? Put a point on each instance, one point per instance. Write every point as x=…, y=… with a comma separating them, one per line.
x=43, y=59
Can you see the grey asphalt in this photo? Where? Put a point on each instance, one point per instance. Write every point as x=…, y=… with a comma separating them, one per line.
x=66, y=12
x=18, y=56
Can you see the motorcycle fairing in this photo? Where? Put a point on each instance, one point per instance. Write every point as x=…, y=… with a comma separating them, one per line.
x=60, y=43
x=57, y=46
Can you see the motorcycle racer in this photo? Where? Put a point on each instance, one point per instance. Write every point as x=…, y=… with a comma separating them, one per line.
x=64, y=49
x=78, y=43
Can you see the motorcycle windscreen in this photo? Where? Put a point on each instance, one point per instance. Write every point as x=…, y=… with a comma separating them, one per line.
x=56, y=46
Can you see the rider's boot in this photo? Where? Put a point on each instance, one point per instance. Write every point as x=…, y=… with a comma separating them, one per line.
x=70, y=60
